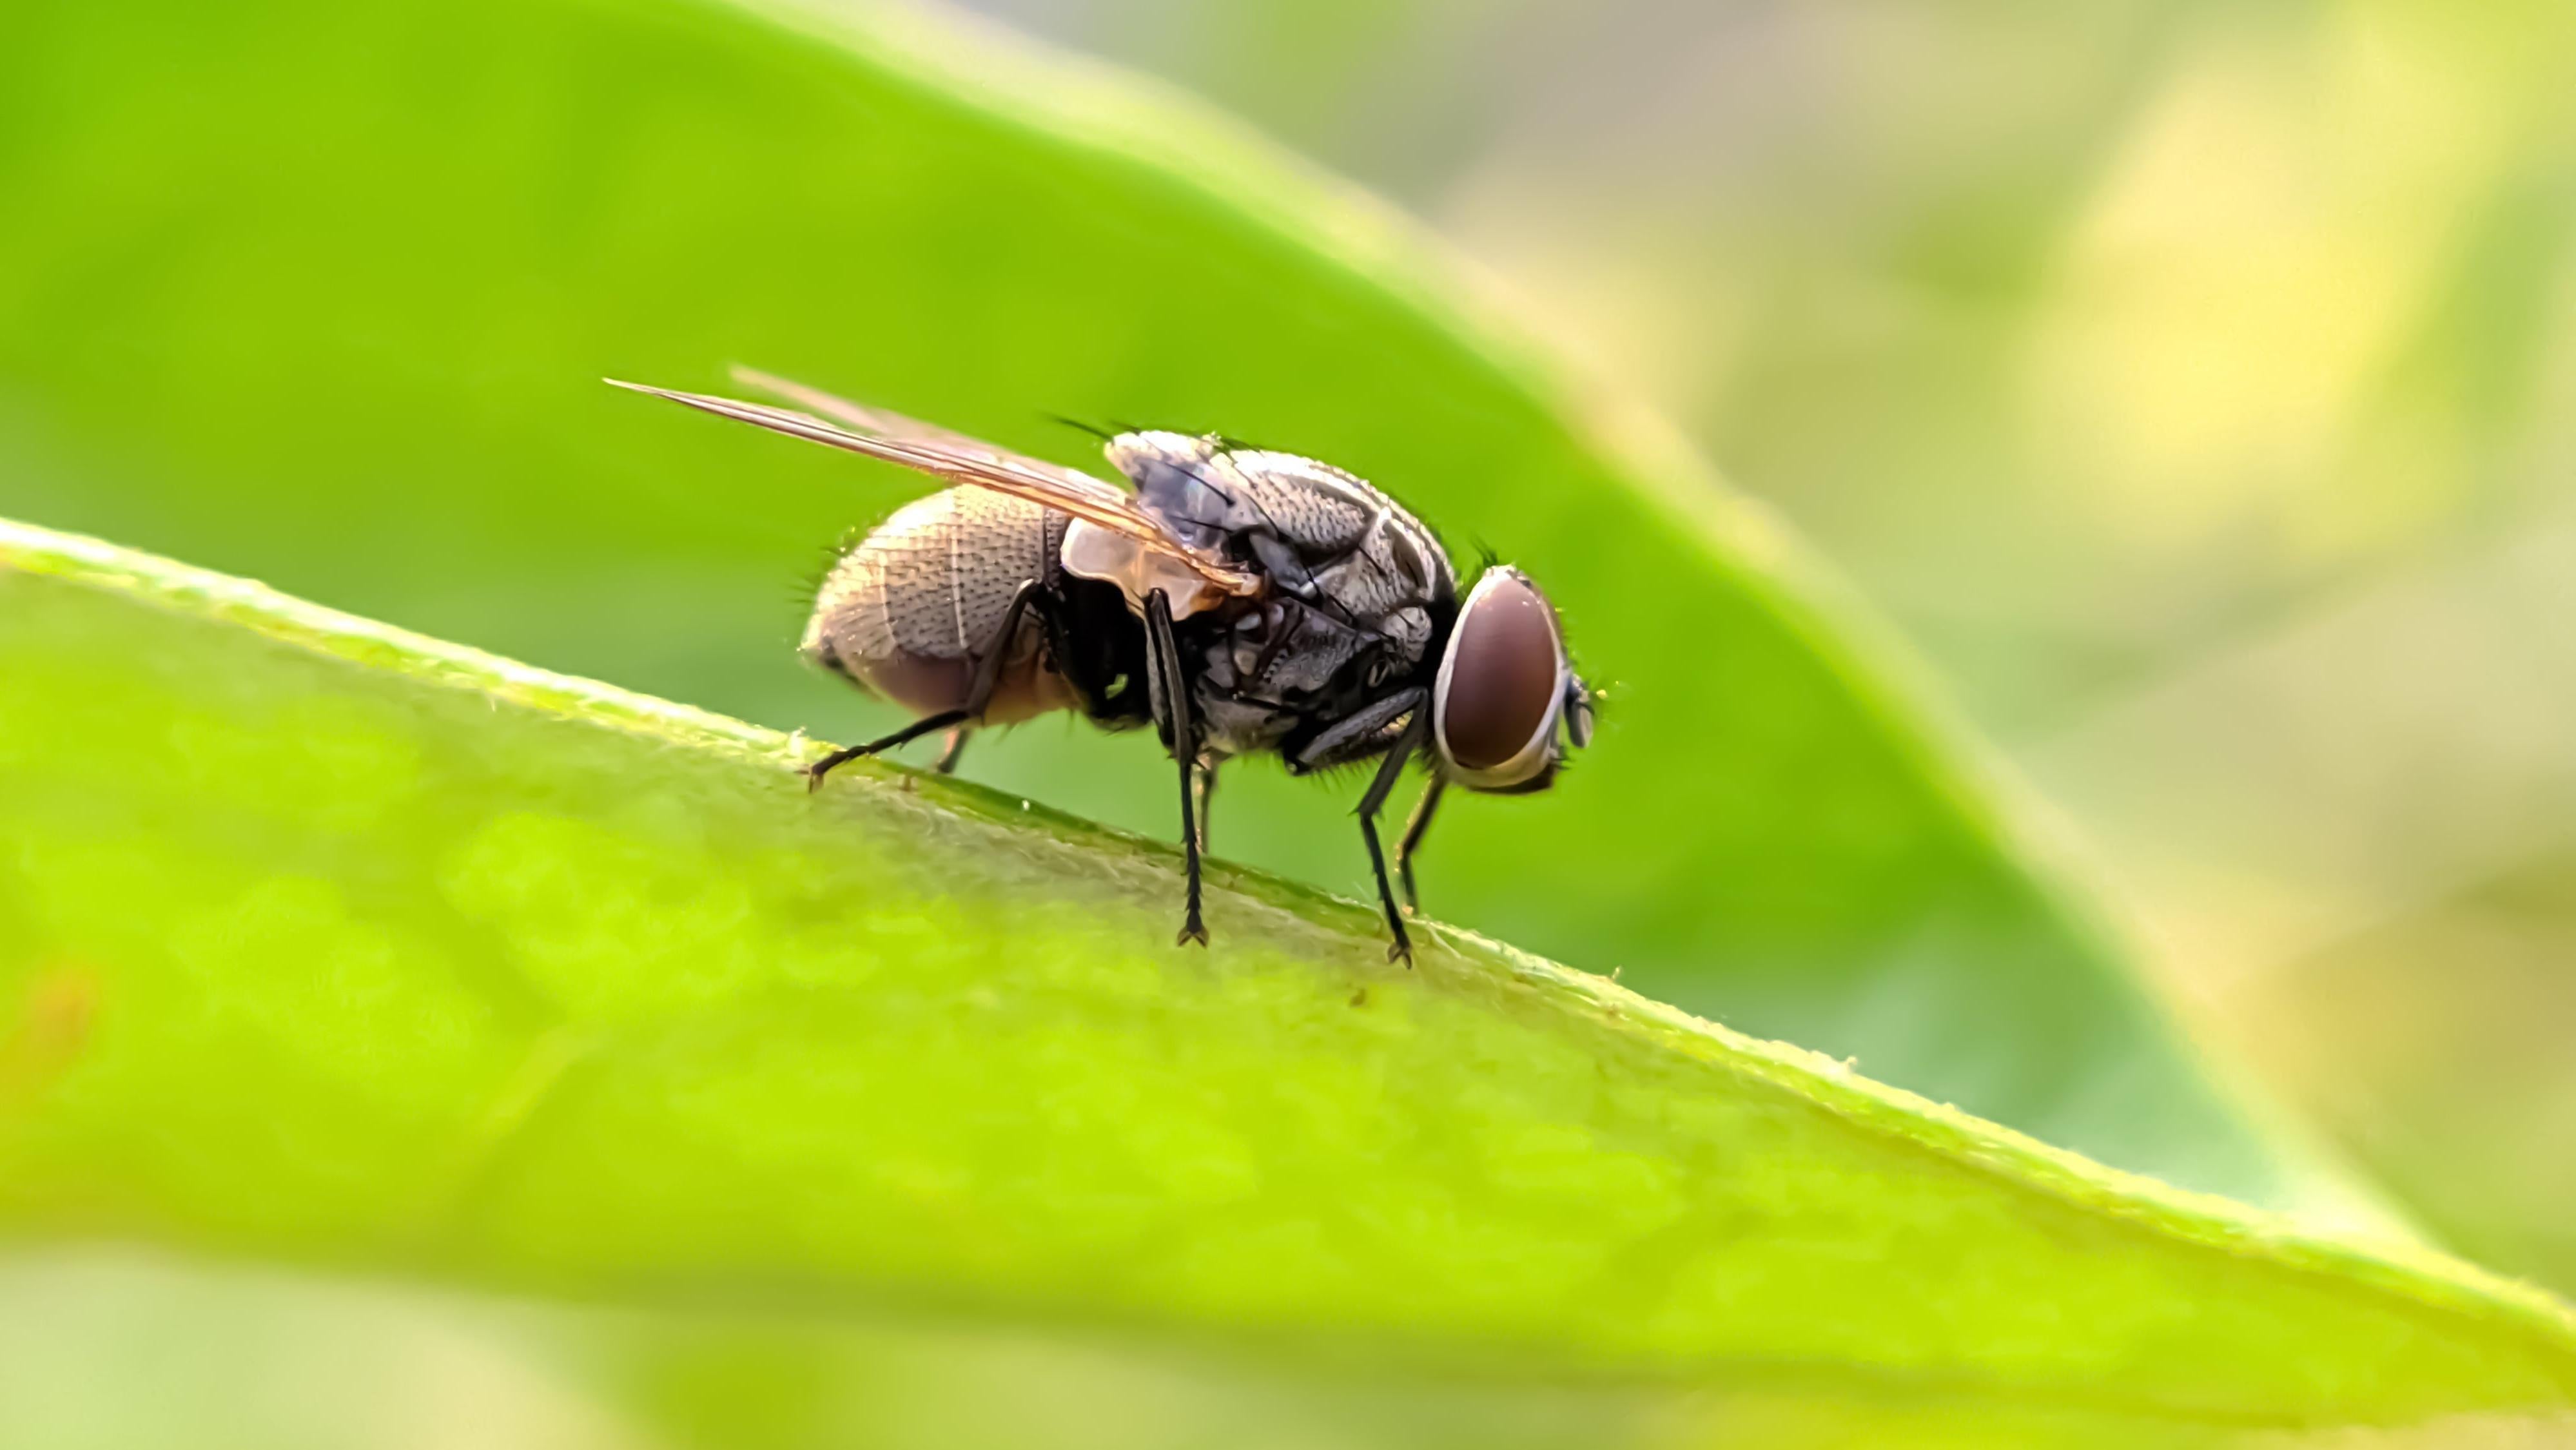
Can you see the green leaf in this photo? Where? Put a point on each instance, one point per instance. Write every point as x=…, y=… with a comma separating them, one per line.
x=327, y=942
x=318, y=293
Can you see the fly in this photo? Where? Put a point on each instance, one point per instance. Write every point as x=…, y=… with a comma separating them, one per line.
x=1240, y=601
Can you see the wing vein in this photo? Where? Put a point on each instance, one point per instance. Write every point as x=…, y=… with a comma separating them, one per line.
x=958, y=459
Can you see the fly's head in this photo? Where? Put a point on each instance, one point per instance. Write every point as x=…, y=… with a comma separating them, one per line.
x=1507, y=706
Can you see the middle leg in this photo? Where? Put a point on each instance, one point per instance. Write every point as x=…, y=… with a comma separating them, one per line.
x=1207, y=797
x=1164, y=658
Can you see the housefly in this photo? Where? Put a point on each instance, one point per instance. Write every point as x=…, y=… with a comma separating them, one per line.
x=1240, y=601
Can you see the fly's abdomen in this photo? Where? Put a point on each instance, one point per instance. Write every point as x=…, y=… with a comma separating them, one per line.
x=910, y=611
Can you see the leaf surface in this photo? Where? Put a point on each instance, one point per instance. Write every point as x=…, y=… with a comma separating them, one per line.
x=326, y=942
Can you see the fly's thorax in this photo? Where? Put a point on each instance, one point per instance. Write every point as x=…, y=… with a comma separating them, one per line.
x=1181, y=479
x=1314, y=529
x=1231, y=726
x=1270, y=671
x=1355, y=584
x=1285, y=650
x=1360, y=546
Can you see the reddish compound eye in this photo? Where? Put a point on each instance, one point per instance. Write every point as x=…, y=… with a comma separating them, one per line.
x=1502, y=682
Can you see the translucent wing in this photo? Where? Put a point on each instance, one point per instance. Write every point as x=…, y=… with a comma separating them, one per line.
x=877, y=422
x=960, y=459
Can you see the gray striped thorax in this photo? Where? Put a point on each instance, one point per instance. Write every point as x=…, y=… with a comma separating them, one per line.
x=1322, y=535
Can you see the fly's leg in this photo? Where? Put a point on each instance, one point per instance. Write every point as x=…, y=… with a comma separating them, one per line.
x=1164, y=658
x=951, y=749
x=979, y=693
x=1416, y=827
x=1207, y=797
x=1388, y=770
x=1357, y=737
x=944, y=719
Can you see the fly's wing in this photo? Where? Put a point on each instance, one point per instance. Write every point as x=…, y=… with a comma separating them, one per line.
x=959, y=459
x=876, y=422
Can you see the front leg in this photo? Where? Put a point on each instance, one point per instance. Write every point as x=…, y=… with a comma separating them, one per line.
x=1414, y=830
x=1370, y=730
x=1388, y=771
x=1164, y=659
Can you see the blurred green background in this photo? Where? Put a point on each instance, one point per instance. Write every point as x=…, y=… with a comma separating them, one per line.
x=2193, y=386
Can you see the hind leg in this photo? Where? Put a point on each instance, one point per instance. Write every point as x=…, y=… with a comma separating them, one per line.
x=979, y=693
x=955, y=747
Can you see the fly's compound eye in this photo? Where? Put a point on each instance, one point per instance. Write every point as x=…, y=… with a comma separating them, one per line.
x=1503, y=682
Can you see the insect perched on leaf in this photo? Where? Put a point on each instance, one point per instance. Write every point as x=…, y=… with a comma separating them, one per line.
x=1239, y=601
